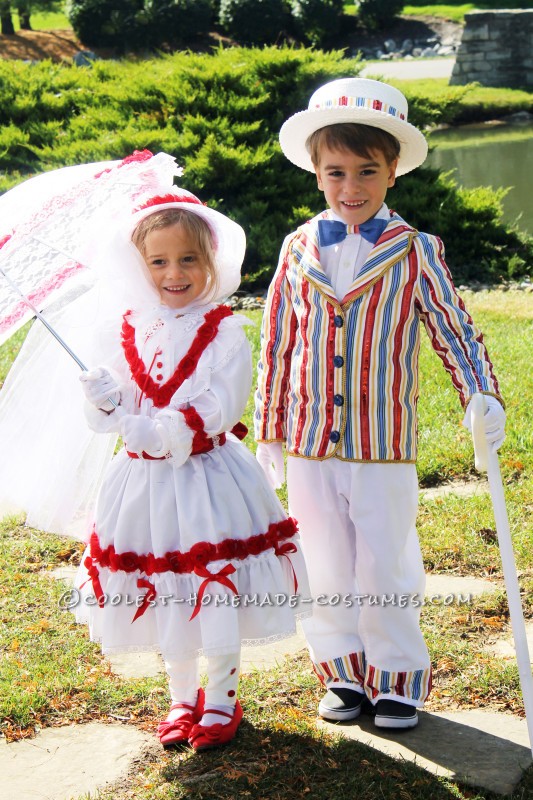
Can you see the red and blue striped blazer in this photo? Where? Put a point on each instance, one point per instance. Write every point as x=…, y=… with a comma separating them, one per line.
x=340, y=378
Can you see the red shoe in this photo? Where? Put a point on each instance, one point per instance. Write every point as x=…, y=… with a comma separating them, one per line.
x=173, y=732
x=205, y=737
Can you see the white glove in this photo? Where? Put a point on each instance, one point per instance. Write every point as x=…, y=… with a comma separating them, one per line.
x=494, y=420
x=270, y=456
x=99, y=387
x=142, y=434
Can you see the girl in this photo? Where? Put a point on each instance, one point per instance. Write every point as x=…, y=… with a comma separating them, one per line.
x=190, y=549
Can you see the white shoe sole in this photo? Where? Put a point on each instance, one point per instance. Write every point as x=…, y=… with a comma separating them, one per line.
x=400, y=723
x=332, y=715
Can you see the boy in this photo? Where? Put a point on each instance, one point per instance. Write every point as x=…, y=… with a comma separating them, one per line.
x=338, y=384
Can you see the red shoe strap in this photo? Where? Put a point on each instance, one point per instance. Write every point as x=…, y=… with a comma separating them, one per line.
x=185, y=706
x=216, y=711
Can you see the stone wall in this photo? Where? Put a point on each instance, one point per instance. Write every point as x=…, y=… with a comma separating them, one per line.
x=496, y=49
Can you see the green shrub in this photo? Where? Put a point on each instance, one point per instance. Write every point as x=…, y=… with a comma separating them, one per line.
x=106, y=23
x=133, y=25
x=254, y=21
x=317, y=21
x=220, y=115
x=376, y=14
x=176, y=22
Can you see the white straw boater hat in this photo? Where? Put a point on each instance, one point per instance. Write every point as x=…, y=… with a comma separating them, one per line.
x=229, y=237
x=358, y=100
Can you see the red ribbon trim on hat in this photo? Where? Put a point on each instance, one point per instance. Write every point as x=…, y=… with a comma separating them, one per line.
x=284, y=550
x=163, y=199
x=219, y=577
x=161, y=395
x=150, y=595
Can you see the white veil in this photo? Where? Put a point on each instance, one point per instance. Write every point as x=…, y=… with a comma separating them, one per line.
x=52, y=464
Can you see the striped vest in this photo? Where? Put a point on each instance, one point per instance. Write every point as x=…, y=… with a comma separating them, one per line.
x=340, y=378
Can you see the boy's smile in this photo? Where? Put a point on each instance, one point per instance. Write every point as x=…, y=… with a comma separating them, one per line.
x=354, y=186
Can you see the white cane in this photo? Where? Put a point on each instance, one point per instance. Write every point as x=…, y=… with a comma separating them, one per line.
x=487, y=461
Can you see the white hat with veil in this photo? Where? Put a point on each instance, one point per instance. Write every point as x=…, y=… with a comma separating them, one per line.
x=52, y=464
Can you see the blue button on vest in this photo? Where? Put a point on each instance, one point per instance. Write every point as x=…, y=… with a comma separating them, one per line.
x=338, y=400
x=334, y=436
x=338, y=321
x=338, y=361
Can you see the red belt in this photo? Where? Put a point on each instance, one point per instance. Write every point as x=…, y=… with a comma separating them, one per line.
x=207, y=445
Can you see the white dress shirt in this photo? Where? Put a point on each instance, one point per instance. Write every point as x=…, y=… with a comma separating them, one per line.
x=342, y=262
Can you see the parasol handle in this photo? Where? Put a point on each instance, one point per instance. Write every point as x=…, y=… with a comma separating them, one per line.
x=49, y=327
x=487, y=461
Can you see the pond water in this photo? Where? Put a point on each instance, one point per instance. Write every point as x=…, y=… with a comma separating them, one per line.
x=497, y=155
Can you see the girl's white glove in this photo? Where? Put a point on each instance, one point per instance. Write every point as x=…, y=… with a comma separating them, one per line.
x=99, y=387
x=494, y=421
x=270, y=456
x=143, y=434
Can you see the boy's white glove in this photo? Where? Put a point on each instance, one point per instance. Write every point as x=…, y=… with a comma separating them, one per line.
x=270, y=456
x=494, y=421
x=141, y=434
x=99, y=387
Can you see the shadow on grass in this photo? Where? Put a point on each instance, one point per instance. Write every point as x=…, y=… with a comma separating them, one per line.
x=277, y=764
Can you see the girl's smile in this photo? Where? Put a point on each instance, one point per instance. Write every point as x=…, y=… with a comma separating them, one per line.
x=176, y=265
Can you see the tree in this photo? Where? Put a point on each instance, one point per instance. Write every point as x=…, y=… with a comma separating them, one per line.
x=6, y=20
x=24, y=13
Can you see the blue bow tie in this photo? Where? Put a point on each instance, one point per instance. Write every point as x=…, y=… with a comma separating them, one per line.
x=332, y=231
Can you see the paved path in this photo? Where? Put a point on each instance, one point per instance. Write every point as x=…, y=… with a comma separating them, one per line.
x=409, y=70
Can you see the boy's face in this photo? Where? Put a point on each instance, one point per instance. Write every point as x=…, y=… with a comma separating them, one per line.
x=354, y=186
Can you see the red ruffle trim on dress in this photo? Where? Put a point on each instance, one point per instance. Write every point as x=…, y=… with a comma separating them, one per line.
x=200, y=555
x=161, y=395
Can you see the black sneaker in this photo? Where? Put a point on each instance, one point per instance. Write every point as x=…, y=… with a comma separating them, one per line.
x=341, y=704
x=394, y=714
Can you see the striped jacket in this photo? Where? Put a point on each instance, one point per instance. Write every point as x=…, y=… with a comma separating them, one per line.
x=340, y=378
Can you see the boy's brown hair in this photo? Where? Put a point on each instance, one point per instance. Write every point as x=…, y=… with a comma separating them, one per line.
x=196, y=227
x=362, y=140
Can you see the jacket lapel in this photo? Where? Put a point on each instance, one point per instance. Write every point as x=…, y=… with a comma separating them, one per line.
x=393, y=245
x=304, y=248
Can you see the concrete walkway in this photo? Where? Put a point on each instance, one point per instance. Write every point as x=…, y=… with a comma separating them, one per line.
x=407, y=70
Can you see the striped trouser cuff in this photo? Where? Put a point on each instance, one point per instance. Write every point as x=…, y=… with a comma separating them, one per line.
x=349, y=668
x=414, y=685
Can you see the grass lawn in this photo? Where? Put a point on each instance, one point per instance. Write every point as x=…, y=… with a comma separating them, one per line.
x=50, y=673
x=45, y=21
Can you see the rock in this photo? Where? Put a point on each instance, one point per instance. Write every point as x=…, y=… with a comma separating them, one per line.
x=83, y=58
x=389, y=45
x=407, y=45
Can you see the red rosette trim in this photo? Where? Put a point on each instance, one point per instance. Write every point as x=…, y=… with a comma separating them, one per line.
x=199, y=556
x=161, y=395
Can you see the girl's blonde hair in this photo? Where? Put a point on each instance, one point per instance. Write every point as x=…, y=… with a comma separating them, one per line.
x=196, y=227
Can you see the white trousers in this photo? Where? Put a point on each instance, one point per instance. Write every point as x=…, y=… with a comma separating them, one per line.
x=358, y=532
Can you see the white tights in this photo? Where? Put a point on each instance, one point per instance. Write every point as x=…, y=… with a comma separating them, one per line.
x=221, y=689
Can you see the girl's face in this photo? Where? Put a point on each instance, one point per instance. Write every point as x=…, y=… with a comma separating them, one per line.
x=176, y=265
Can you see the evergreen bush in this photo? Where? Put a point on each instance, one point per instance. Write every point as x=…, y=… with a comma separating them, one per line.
x=220, y=115
x=377, y=14
x=176, y=22
x=317, y=21
x=254, y=21
x=106, y=23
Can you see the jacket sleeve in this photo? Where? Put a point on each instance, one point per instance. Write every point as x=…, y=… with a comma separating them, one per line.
x=454, y=337
x=278, y=335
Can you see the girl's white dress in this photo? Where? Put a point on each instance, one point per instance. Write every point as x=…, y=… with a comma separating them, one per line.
x=189, y=555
